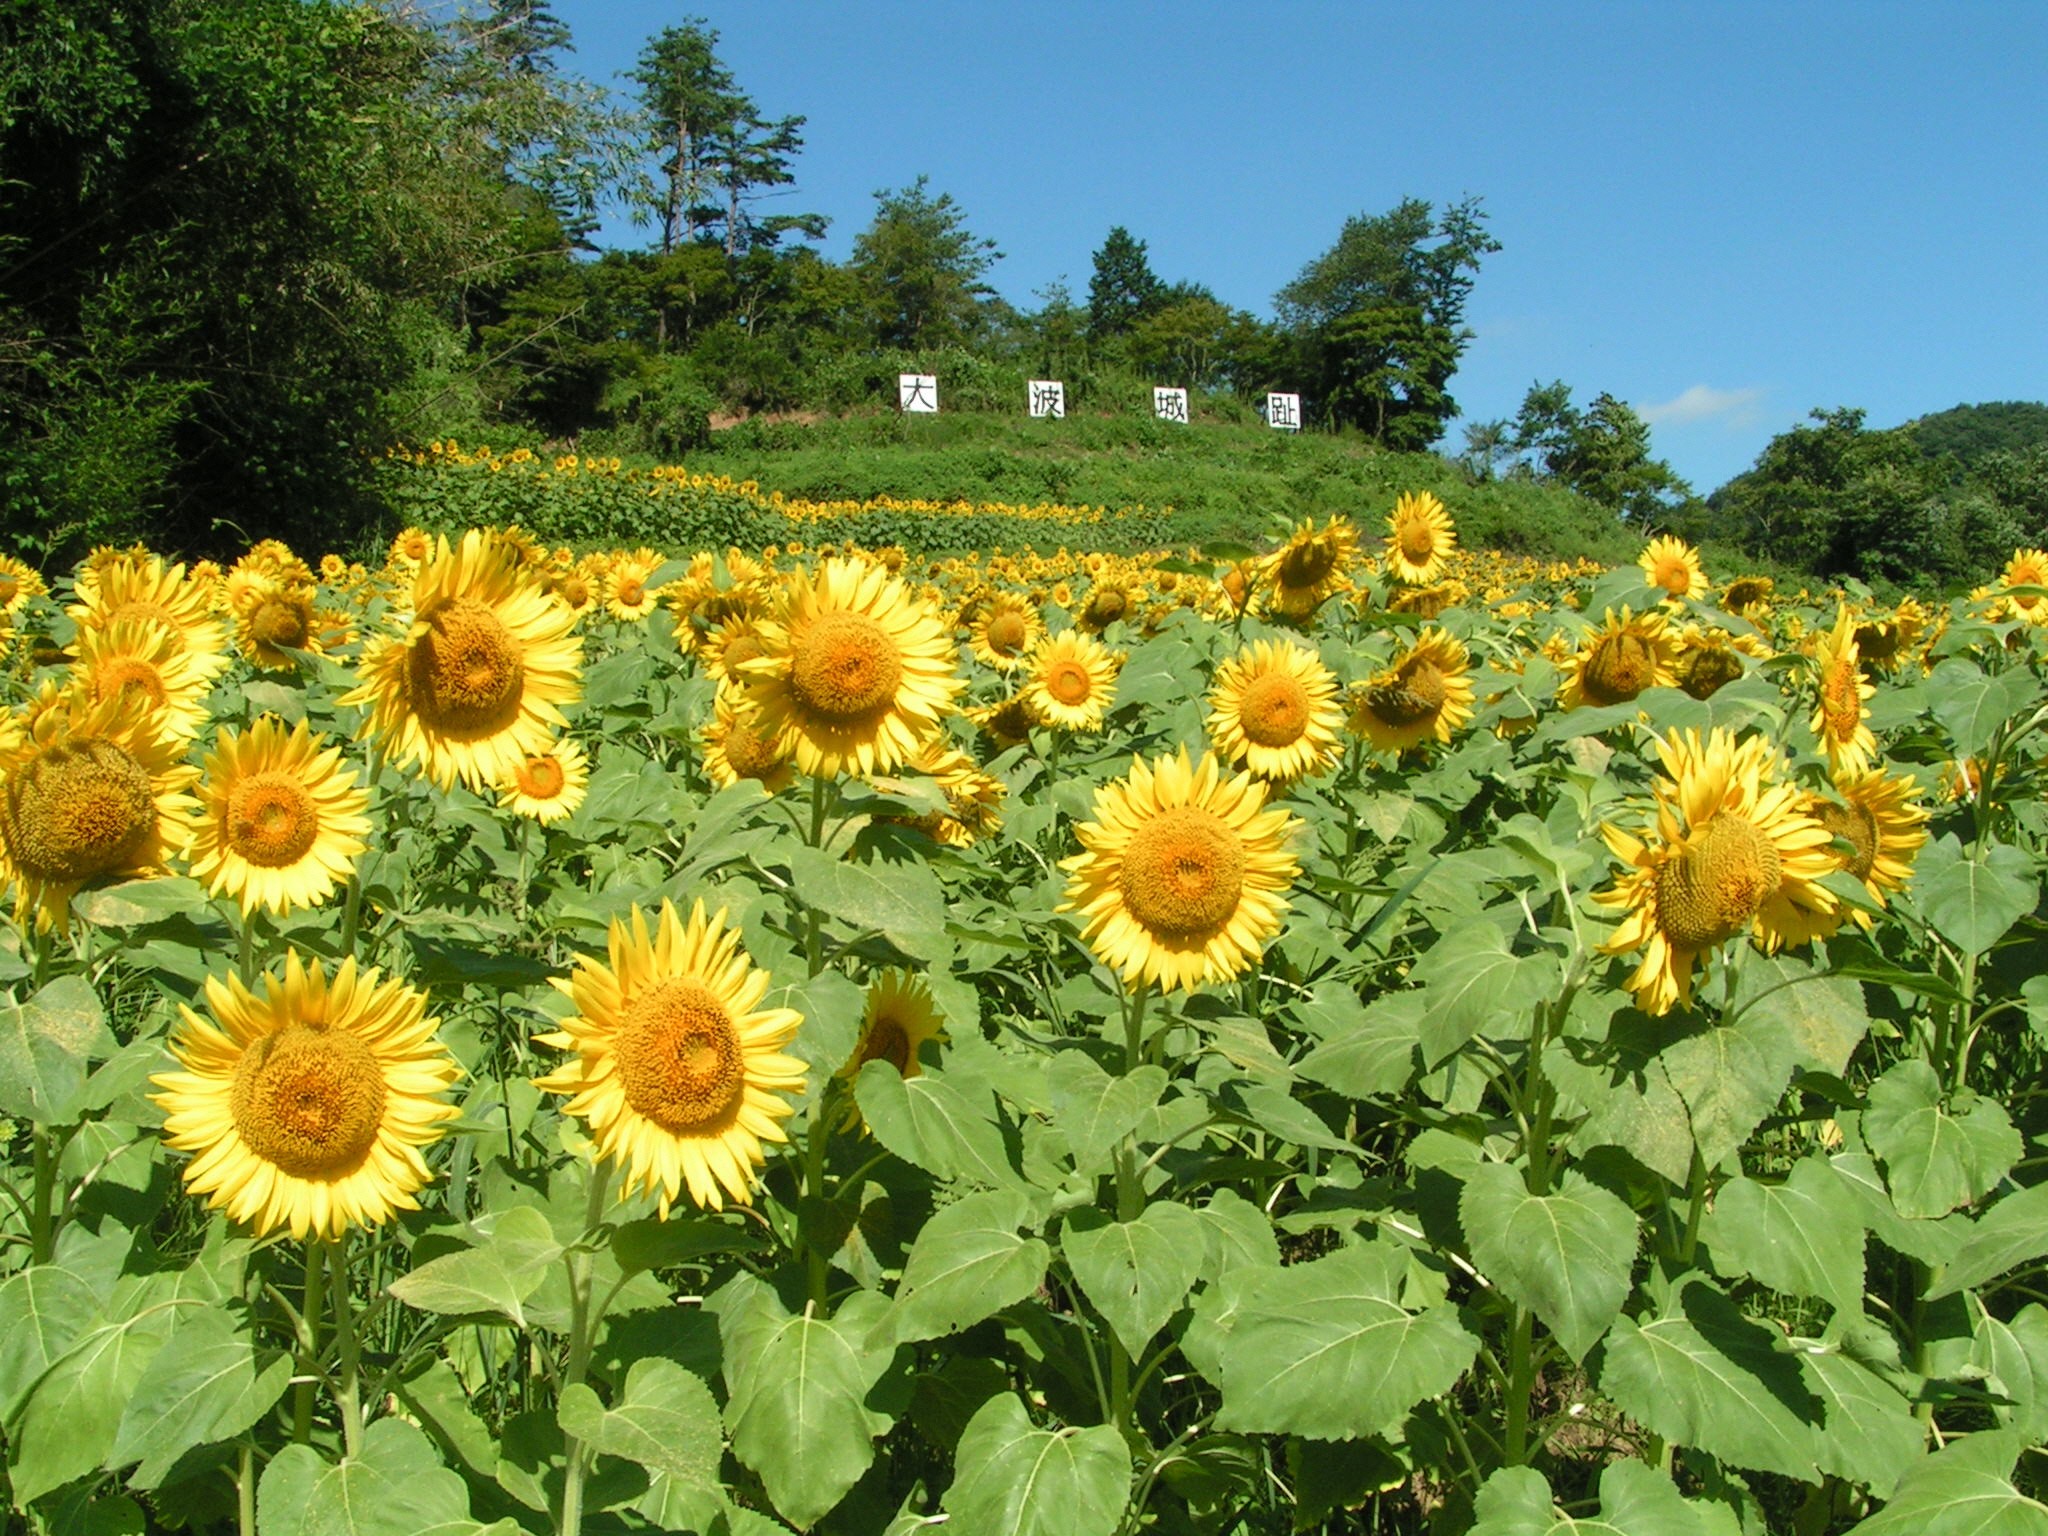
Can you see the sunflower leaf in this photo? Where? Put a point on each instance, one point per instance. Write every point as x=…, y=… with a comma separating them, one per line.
x=1973, y=704
x=1019, y=1479
x=1136, y=1273
x=1972, y=903
x=936, y=1124
x=1963, y=1490
x=396, y=1486
x=207, y=1385
x=495, y=1278
x=1566, y=1256
x=665, y=1420
x=1802, y=1236
x=2011, y=1233
x=1476, y=985
x=1095, y=1110
x=906, y=905
x=968, y=1263
x=44, y=1046
x=1937, y=1156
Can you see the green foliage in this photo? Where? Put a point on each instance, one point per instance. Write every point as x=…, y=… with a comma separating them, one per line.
x=920, y=269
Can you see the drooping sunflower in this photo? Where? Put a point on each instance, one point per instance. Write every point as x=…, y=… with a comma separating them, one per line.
x=1745, y=593
x=306, y=1100
x=1006, y=722
x=1183, y=874
x=1310, y=568
x=1070, y=680
x=281, y=820
x=898, y=1019
x=1108, y=601
x=1273, y=711
x=736, y=747
x=1426, y=695
x=549, y=785
x=974, y=799
x=678, y=1070
x=1883, y=825
x=1005, y=630
x=855, y=673
x=1839, y=719
x=729, y=647
x=1709, y=659
x=134, y=656
x=2027, y=568
x=1729, y=852
x=88, y=791
x=1674, y=565
x=474, y=686
x=1420, y=538
x=1628, y=653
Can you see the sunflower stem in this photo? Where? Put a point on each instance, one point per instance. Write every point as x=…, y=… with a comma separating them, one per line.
x=42, y=1228
x=1521, y=1382
x=351, y=913
x=312, y=1298
x=815, y=1137
x=583, y=1323
x=346, y=1396
x=245, y=1491
x=245, y=953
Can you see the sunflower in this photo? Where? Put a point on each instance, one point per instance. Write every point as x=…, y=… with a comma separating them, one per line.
x=1420, y=538
x=1273, y=711
x=1883, y=638
x=473, y=687
x=127, y=586
x=1709, y=659
x=1729, y=852
x=899, y=1018
x=1838, y=718
x=87, y=791
x=1429, y=602
x=856, y=673
x=549, y=785
x=736, y=747
x=19, y=581
x=1424, y=696
x=1311, y=567
x=1006, y=722
x=627, y=596
x=281, y=821
x=1108, y=601
x=1745, y=593
x=1183, y=874
x=1882, y=824
x=1005, y=630
x=410, y=549
x=1674, y=565
x=735, y=642
x=1628, y=653
x=974, y=799
x=274, y=618
x=142, y=658
x=307, y=1099
x=2027, y=568
x=677, y=1068
x=1071, y=681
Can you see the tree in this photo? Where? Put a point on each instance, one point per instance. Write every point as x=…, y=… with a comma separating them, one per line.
x=1378, y=319
x=922, y=269
x=1488, y=444
x=1603, y=452
x=1123, y=289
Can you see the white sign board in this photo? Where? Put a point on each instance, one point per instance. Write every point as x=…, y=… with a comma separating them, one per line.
x=1049, y=398
x=917, y=392
x=1284, y=412
x=1170, y=404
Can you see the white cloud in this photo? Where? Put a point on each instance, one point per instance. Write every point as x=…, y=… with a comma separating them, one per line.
x=1702, y=402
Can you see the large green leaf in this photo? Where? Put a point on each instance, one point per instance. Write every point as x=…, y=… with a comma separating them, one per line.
x=1324, y=1350
x=2013, y=1232
x=1932, y=1242
x=1937, y=1156
x=67, y=1427
x=396, y=1487
x=936, y=1124
x=495, y=1278
x=1802, y=1236
x=1870, y=1435
x=1015, y=1479
x=666, y=1420
x=968, y=1263
x=1477, y=986
x=1635, y=1500
x=1567, y=1256
x=1136, y=1273
x=905, y=904
x=43, y=1310
x=2014, y=1355
x=1971, y=902
x=1706, y=1376
x=1095, y=1110
x=44, y=1046
x=1973, y=703
x=1964, y=1489
x=1730, y=1076
x=1823, y=1016
x=1365, y=1050
x=208, y=1384
x=799, y=1384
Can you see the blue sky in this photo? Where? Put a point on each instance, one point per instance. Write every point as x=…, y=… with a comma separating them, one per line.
x=1725, y=214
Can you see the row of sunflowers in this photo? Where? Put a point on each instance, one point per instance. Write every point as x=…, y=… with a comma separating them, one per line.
x=1332, y=1038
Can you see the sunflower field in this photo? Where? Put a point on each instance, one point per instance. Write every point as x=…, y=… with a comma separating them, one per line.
x=1358, y=1035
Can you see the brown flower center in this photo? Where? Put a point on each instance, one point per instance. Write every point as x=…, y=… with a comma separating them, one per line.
x=1841, y=701
x=845, y=667
x=1416, y=694
x=272, y=819
x=1068, y=682
x=1273, y=710
x=1673, y=577
x=1007, y=632
x=739, y=650
x=1306, y=563
x=886, y=1041
x=1855, y=826
x=309, y=1100
x=279, y=621
x=1711, y=890
x=1705, y=672
x=1620, y=667
x=631, y=592
x=749, y=752
x=129, y=675
x=1106, y=606
x=466, y=674
x=541, y=777
x=1183, y=872
x=679, y=1057
x=1418, y=541
x=10, y=587
x=77, y=810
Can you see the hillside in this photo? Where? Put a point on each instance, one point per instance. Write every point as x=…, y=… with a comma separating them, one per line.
x=1971, y=432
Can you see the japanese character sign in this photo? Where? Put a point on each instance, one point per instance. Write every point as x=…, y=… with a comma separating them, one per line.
x=917, y=392
x=1283, y=412
x=1049, y=398
x=1170, y=404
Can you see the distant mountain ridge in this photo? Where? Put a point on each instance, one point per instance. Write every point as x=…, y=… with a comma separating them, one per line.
x=1971, y=432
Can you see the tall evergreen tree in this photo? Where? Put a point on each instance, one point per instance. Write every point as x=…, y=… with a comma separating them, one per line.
x=922, y=268
x=1123, y=289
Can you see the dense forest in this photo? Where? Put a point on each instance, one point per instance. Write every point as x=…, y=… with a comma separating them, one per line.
x=245, y=245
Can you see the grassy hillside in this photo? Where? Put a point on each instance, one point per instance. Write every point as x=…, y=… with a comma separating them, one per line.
x=1221, y=480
